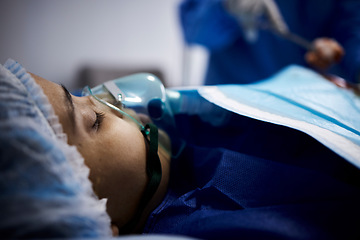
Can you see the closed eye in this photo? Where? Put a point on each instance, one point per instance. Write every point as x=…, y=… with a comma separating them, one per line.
x=98, y=120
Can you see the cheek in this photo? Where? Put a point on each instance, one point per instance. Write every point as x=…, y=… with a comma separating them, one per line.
x=117, y=160
x=126, y=142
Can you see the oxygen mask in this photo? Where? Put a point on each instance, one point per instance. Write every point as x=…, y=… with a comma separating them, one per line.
x=141, y=97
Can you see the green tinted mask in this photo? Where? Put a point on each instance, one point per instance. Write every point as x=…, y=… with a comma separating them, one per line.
x=145, y=95
x=150, y=133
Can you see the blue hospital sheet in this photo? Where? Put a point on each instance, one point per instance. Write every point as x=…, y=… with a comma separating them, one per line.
x=242, y=177
x=301, y=99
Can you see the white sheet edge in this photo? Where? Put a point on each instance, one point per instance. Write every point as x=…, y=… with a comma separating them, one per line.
x=339, y=144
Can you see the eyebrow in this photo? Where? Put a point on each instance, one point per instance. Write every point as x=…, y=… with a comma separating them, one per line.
x=70, y=104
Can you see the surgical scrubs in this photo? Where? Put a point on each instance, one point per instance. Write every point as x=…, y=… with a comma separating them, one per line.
x=241, y=178
x=234, y=60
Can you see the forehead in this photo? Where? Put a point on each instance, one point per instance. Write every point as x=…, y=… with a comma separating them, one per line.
x=55, y=95
x=46, y=85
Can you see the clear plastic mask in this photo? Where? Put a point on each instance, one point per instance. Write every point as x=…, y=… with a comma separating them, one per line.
x=142, y=97
x=116, y=95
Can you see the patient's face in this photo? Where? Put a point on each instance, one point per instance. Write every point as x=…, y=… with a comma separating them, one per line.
x=112, y=145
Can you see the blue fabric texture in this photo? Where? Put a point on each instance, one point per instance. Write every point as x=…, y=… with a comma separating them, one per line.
x=44, y=188
x=302, y=99
x=234, y=60
x=241, y=178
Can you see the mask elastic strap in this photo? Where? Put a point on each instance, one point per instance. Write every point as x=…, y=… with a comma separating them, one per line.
x=153, y=170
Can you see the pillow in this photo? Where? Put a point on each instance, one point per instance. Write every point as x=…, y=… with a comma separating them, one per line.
x=44, y=185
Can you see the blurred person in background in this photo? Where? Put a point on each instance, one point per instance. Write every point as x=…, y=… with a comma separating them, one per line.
x=244, y=40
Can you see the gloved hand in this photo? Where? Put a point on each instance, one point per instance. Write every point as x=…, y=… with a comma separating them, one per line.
x=249, y=11
x=325, y=53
